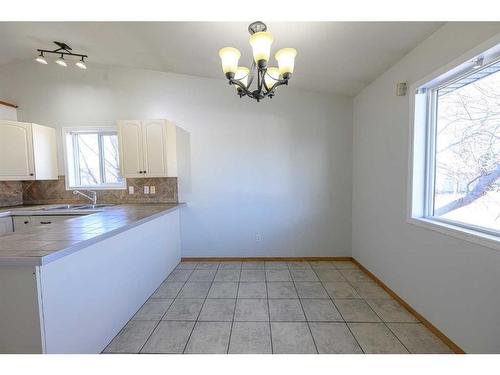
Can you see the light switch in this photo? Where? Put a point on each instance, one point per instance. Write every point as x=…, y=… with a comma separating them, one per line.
x=131, y=190
x=152, y=189
x=146, y=189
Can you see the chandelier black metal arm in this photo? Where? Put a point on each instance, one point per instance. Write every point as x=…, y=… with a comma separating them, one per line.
x=262, y=90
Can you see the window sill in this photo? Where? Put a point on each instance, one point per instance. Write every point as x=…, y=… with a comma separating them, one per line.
x=456, y=231
x=70, y=188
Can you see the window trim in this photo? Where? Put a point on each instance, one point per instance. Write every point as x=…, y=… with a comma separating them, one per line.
x=422, y=148
x=89, y=129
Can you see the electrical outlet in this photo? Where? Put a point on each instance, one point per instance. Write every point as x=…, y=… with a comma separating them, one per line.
x=146, y=189
x=258, y=237
x=152, y=189
x=130, y=190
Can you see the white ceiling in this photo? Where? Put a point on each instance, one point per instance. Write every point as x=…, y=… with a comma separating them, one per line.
x=333, y=57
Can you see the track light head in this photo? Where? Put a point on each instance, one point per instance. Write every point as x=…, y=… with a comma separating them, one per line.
x=41, y=59
x=61, y=61
x=81, y=64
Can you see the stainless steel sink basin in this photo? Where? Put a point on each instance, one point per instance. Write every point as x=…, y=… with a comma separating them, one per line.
x=76, y=207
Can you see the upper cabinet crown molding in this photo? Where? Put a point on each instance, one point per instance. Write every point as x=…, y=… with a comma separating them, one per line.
x=147, y=148
x=27, y=151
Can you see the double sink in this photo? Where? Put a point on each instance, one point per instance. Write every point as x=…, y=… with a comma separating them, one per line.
x=75, y=207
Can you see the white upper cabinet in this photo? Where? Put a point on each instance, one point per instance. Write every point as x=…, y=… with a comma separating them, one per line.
x=27, y=151
x=147, y=148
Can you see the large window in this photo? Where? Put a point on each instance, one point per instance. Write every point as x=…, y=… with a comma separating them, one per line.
x=461, y=171
x=92, y=159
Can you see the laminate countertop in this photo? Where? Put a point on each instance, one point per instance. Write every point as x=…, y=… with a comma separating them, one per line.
x=43, y=244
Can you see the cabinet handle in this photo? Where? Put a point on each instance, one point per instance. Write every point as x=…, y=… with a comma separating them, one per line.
x=26, y=222
x=45, y=222
x=32, y=174
x=144, y=171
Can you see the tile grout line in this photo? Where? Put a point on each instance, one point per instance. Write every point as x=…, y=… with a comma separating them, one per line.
x=303, y=311
x=342, y=316
x=199, y=312
x=234, y=312
x=157, y=324
x=268, y=310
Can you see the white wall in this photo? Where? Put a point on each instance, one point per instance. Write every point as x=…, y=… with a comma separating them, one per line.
x=7, y=113
x=281, y=167
x=453, y=283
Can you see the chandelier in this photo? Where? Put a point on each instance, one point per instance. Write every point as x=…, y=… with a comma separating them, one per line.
x=268, y=77
x=63, y=50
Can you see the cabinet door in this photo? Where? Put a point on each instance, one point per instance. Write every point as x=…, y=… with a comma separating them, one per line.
x=5, y=225
x=154, y=134
x=21, y=223
x=44, y=152
x=131, y=148
x=16, y=151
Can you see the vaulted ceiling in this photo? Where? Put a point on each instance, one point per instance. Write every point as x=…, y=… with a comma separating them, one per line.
x=333, y=57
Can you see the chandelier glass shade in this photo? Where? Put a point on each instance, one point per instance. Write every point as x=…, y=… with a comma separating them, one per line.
x=268, y=78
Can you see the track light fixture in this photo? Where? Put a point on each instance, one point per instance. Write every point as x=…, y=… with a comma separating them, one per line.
x=63, y=50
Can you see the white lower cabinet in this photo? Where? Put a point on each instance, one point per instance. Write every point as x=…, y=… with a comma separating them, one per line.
x=6, y=225
x=26, y=222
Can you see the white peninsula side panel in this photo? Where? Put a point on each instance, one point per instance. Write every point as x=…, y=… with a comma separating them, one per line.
x=90, y=295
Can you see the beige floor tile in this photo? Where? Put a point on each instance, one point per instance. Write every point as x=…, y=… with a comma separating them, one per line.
x=132, y=337
x=299, y=265
x=252, y=265
x=322, y=265
x=281, y=289
x=169, y=337
x=168, y=289
x=356, y=310
x=376, y=338
x=272, y=265
x=391, y=311
x=184, y=309
x=252, y=275
x=340, y=289
x=330, y=275
x=252, y=290
x=203, y=275
x=311, y=290
x=230, y=265
x=250, y=338
x=303, y=275
x=217, y=310
x=251, y=310
x=227, y=275
x=418, y=339
x=153, y=309
x=223, y=290
x=344, y=265
x=179, y=275
x=186, y=265
x=209, y=338
x=292, y=338
x=207, y=265
x=286, y=310
x=334, y=338
x=278, y=275
x=370, y=290
x=320, y=310
x=194, y=290
x=355, y=275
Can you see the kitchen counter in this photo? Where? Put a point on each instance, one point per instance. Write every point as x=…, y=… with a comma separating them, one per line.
x=43, y=244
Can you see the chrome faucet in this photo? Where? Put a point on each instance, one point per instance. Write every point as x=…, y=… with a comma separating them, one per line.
x=93, y=198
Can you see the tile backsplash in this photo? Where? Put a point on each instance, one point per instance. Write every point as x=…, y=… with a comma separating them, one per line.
x=54, y=191
x=11, y=193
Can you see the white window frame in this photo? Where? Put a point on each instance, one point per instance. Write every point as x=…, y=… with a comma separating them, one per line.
x=88, y=129
x=422, y=148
